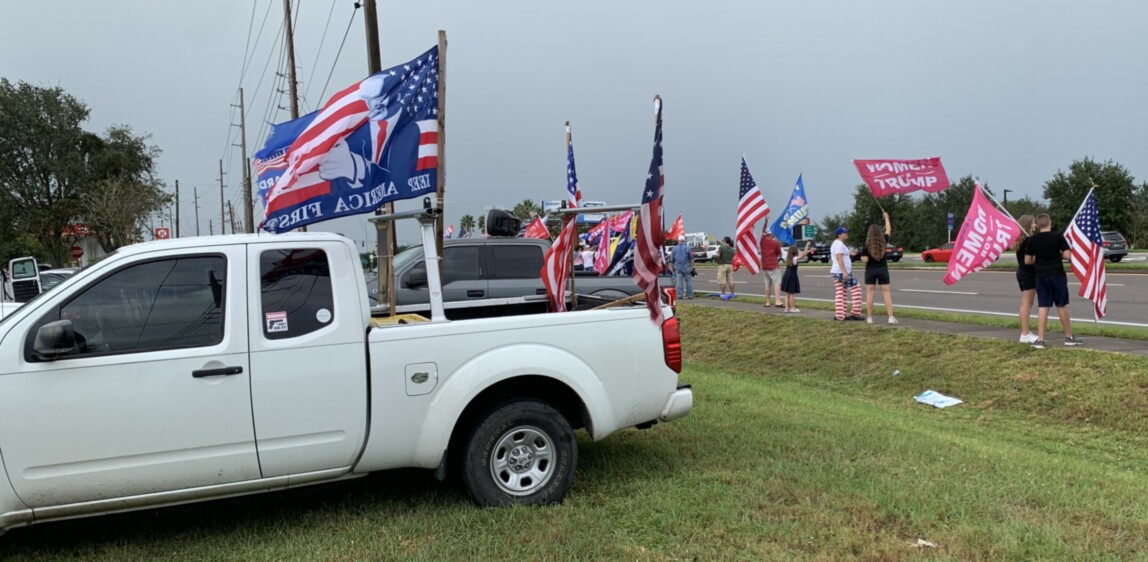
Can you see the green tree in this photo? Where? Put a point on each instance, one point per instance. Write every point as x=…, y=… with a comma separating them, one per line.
x=43, y=161
x=527, y=210
x=1114, y=188
x=1137, y=233
x=482, y=223
x=466, y=223
x=1025, y=206
x=54, y=175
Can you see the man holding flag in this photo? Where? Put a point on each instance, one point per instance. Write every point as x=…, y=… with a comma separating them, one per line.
x=1045, y=250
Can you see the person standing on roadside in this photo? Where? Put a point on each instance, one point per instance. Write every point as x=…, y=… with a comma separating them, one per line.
x=683, y=261
x=790, y=284
x=1026, y=279
x=843, y=279
x=877, y=269
x=724, y=259
x=770, y=256
x=1044, y=251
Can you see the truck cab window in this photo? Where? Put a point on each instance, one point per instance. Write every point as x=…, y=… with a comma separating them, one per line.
x=296, y=292
x=162, y=304
x=517, y=261
x=461, y=263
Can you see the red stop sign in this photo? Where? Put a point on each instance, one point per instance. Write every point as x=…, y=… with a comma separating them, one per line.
x=76, y=252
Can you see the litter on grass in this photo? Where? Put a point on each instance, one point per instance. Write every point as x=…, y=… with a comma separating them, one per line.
x=937, y=399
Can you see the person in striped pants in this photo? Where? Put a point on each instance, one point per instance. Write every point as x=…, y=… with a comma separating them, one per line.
x=843, y=279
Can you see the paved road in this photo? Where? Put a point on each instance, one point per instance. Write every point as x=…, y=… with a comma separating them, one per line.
x=985, y=292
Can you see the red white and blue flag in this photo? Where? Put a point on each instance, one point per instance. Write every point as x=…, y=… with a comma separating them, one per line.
x=650, y=236
x=536, y=229
x=1083, y=236
x=574, y=195
x=751, y=207
x=374, y=142
x=556, y=264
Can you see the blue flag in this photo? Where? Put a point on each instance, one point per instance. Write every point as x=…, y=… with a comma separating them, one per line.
x=795, y=212
x=374, y=142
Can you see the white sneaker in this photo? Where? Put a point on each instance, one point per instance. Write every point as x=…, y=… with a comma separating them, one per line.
x=868, y=319
x=1028, y=338
x=894, y=320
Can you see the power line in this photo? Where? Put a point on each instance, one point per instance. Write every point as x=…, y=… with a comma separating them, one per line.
x=247, y=64
x=247, y=44
x=322, y=40
x=334, y=63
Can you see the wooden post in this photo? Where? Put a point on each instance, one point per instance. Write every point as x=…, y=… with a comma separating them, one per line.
x=222, y=214
x=441, y=192
x=248, y=204
x=195, y=192
x=176, y=208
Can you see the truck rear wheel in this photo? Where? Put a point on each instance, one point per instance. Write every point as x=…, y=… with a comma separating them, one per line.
x=520, y=453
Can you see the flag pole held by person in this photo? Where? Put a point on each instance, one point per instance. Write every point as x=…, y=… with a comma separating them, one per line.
x=1087, y=259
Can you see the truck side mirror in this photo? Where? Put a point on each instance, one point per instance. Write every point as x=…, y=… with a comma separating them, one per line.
x=417, y=278
x=54, y=339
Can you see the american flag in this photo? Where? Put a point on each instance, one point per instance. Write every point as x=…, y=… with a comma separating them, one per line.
x=751, y=207
x=556, y=264
x=574, y=194
x=649, y=239
x=1088, y=255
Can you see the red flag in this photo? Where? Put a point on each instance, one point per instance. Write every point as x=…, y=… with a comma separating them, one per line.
x=886, y=177
x=751, y=207
x=737, y=262
x=536, y=229
x=985, y=234
x=556, y=264
x=1088, y=255
x=678, y=229
x=649, y=238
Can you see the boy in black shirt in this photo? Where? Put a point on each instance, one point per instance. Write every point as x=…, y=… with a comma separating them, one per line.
x=1044, y=251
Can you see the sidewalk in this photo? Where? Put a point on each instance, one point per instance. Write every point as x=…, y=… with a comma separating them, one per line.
x=1132, y=347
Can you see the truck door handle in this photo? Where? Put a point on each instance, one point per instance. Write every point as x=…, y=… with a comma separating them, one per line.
x=540, y=291
x=475, y=293
x=220, y=372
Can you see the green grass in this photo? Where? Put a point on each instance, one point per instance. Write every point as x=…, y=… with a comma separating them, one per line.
x=1078, y=328
x=802, y=446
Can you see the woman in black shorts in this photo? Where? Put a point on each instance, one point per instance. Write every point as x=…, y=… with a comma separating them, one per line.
x=1025, y=278
x=877, y=269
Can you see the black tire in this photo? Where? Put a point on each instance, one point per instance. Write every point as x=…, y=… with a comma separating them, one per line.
x=896, y=260
x=1115, y=259
x=929, y=259
x=521, y=452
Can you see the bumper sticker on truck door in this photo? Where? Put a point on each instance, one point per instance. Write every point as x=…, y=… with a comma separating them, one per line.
x=276, y=321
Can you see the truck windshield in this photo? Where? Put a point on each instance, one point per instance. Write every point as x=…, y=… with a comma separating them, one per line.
x=414, y=253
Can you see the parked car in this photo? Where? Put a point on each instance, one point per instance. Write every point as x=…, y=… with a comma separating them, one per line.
x=894, y=253
x=480, y=272
x=197, y=368
x=941, y=254
x=1114, y=245
x=51, y=277
x=704, y=253
x=820, y=252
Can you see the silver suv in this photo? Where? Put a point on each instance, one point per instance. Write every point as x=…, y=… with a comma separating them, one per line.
x=1114, y=245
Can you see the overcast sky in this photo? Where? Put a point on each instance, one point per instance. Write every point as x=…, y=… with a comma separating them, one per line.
x=1010, y=91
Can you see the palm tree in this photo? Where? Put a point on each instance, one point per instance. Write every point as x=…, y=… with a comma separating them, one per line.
x=466, y=223
x=527, y=210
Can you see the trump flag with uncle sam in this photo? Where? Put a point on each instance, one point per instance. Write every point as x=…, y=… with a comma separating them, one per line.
x=374, y=142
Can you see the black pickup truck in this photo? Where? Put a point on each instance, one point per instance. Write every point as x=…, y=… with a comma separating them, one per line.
x=485, y=272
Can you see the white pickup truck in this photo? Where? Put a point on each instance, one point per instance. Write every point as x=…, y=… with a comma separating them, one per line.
x=199, y=368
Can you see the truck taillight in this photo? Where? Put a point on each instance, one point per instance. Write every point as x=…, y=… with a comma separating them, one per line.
x=672, y=344
x=1106, y=243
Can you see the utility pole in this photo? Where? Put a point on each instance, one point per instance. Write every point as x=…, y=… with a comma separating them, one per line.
x=177, y=208
x=248, y=219
x=291, y=60
x=291, y=68
x=231, y=213
x=195, y=191
x=210, y=228
x=385, y=245
x=222, y=217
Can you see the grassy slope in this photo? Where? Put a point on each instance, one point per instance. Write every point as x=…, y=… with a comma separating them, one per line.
x=802, y=446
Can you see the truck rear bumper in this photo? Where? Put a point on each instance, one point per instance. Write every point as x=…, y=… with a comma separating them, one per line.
x=679, y=404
